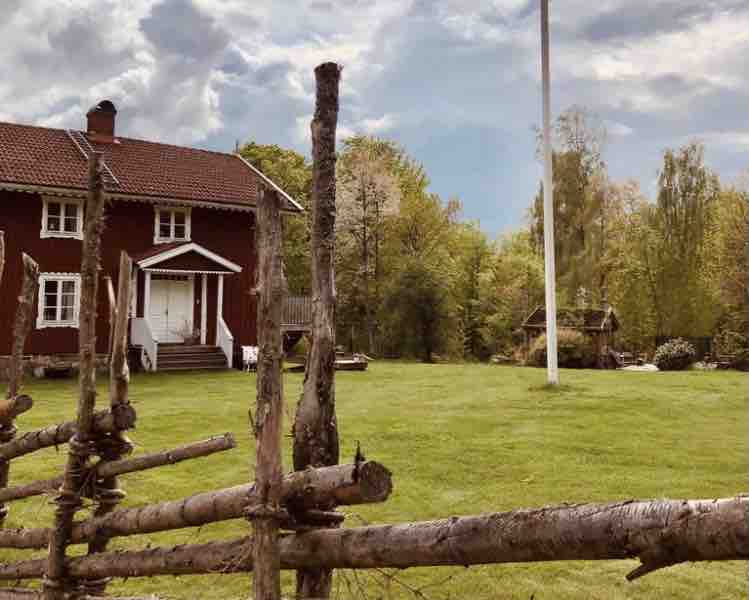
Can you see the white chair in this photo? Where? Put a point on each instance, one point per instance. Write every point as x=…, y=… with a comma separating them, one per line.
x=249, y=358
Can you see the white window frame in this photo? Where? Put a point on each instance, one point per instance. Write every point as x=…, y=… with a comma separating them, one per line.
x=41, y=322
x=47, y=233
x=157, y=238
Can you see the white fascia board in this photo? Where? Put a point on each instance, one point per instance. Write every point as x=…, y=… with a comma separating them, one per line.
x=268, y=181
x=185, y=248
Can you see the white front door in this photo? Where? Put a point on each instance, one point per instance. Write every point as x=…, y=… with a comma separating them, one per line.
x=170, y=313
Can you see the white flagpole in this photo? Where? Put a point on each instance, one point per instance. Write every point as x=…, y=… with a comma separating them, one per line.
x=549, y=270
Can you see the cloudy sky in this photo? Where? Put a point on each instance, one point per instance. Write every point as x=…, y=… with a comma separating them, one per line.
x=454, y=81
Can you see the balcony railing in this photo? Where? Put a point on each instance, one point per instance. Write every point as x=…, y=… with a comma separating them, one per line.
x=297, y=314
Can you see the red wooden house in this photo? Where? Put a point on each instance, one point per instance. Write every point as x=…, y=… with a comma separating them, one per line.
x=185, y=217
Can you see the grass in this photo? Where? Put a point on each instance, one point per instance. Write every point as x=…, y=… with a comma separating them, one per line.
x=460, y=439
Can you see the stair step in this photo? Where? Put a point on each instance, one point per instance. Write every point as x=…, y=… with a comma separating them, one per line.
x=201, y=361
x=193, y=368
x=167, y=349
x=192, y=356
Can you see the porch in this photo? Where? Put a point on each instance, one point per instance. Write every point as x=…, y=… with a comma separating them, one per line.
x=177, y=319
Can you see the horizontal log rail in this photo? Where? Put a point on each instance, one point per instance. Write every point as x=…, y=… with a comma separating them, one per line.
x=25, y=594
x=660, y=533
x=13, y=407
x=56, y=435
x=322, y=488
x=128, y=465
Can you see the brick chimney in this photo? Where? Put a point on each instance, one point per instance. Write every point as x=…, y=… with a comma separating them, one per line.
x=101, y=118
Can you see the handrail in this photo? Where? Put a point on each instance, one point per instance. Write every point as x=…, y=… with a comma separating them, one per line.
x=141, y=335
x=225, y=341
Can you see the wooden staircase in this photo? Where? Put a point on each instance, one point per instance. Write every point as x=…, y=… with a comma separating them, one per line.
x=181, y=357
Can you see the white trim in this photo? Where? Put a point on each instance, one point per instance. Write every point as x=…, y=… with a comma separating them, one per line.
x=185, y=210
x=203, y=308
x=41, y=322
x=191, y=279
x=219, y=305
x=185, y=248
x=79, y=193
x=185, y=271
x=270, y=182
x=41, y=189
x=134, y=293
x=45, y=233
x=147, y=297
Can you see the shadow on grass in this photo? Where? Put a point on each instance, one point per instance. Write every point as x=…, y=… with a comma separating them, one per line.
x=560, y=388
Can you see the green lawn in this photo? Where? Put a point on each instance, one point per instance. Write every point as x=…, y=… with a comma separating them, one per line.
x=460, y=439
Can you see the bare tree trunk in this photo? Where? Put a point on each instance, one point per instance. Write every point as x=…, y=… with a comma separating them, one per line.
x=301, y=491
x=57, y=583
x=22, y=325
x=315, y=427
x=265, y=510
x=660, y=533
x=113, y=447
x=104, y=470
x=15, y=403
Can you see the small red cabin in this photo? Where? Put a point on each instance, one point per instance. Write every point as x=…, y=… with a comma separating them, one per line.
x=185, y=217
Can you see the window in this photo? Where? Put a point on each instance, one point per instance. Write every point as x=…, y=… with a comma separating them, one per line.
x=62, y=218
x=172, y=225
x=59, y=299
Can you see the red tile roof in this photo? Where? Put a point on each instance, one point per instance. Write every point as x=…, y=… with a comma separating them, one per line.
x=574, y=318
x=50, y=157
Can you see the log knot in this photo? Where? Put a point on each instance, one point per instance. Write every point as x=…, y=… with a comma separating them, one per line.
x=257, y=512
x=7, y=433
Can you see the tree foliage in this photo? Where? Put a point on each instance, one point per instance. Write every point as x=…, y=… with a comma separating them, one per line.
x=415, y=279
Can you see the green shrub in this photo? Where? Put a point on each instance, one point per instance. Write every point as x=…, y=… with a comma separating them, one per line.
x=741, y=361
x=730, y=342
x=574, y=350
x=674, y=355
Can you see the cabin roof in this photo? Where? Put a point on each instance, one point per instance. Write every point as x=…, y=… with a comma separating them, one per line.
x=57, y=158
x=587, y=319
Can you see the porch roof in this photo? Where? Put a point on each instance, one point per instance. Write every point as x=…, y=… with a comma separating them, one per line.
x=186, y=257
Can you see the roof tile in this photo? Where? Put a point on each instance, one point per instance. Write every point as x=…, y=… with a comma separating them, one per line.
x=49, y=157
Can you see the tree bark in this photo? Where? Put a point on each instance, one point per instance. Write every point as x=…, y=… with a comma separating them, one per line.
x=56, y=583
x=315, y=427
x=15, y=403
x=112, y=448
x=323, y=488
x=22, y=325
x=55, y=435
x=660, y=533
x=264, y=510
x=106, y=469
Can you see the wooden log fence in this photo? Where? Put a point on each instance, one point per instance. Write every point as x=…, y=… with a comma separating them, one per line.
x=300, y=491
x=104, y=422
x=264, y=510
x=107, y=469
x=15, y=404
x=315, y=427
x=660, y=533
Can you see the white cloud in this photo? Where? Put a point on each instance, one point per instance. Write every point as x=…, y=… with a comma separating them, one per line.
x=617, y=129
x=378, y=126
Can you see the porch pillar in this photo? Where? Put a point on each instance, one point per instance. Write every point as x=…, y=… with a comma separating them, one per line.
x=203, y=308
x=147, y=297
x=219, y=304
